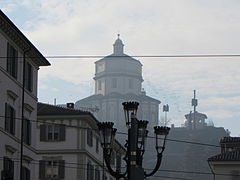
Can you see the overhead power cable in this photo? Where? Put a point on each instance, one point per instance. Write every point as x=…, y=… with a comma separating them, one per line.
x=83, y=168
x=135, y=56
x=122, y=133
x=173, y=171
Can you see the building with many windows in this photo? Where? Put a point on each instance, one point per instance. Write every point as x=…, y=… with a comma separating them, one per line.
x=19, y=65
x=69, y=146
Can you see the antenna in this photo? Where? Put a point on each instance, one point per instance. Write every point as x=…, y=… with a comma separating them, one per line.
x=165, y=109
x=194, y=104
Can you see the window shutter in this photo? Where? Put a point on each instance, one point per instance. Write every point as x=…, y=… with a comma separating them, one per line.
x=88, y=170
x=91, y=172
x=7, y=117
x=89, y=137
x=61, y=169
x=62, y=136
x=13, y=120
x=8, y=58
x=29, y=132
x=42, y=169
x=5, y=164
x=30, y=77
x=43, y=132
x=15, y=63
x=11, y=164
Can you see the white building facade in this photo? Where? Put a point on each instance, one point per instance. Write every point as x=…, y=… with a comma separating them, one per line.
x=118, y=78
x=16, y=106
x=69, y=145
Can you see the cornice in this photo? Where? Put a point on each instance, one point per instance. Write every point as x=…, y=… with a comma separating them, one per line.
x=13, y=33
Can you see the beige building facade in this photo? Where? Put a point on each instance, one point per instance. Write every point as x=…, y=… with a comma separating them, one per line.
x=16, y=106
x=69, y=145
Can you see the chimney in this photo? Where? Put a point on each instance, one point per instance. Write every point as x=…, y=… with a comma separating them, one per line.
x=70, y=105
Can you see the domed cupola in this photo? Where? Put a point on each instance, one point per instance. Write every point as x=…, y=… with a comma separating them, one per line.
x=118, y=47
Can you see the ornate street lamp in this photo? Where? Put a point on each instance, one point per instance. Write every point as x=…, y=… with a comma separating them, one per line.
x=161, y=135
x=137, y=134
x=130, y=110
x=107, y=134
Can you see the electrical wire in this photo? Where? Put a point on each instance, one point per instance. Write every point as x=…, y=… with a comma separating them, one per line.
x=103, y=170
x=122, y=133
x=173, y=171
x=134, y=56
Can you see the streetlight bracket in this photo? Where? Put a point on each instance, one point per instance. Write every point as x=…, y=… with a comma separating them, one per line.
x=116, y=174
x=157, y=166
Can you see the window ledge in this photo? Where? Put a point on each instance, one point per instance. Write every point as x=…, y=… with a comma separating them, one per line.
x=28, y=107
x=27, y=158
x=10, y=149
x=12, y=95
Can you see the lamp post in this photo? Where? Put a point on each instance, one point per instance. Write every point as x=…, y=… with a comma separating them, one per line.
x=137, y=134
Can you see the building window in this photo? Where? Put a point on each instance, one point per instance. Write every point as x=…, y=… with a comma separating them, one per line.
x=100, y=67
x=52, y=132
x=12, y=61
x=10, y=116
x=130, y=84
x=25, y=173
x=28, y=76
x=114, y=83
x=90, y=171
x=89, y=137
x=97, y=174
x=27, y=131
x=51, y=169
x=8, y=169
x=97, y=144
x=99, y=85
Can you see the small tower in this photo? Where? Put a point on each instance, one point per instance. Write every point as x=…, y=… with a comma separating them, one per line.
x=195, y=120
x=118, y=47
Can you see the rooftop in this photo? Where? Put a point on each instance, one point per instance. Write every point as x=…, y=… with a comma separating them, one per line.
x=7, y=26
x=51, y=110
x=227, y=156
x=230, y=140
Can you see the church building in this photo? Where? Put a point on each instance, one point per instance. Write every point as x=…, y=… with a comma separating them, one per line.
x=118, y=78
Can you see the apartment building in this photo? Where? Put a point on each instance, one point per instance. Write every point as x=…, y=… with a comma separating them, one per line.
x=69, y=145
x=19, y=65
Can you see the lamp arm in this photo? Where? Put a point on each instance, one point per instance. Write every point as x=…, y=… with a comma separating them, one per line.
x=116, y=174
x=159, y=160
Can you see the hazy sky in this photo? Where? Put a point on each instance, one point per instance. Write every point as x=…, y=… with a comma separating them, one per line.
x=153, y=27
